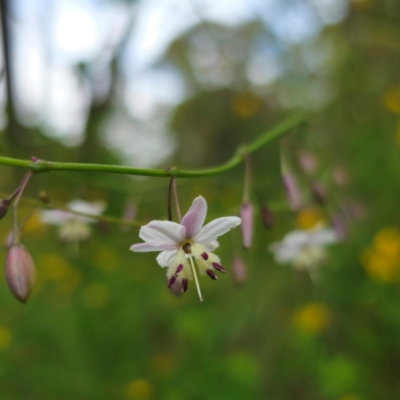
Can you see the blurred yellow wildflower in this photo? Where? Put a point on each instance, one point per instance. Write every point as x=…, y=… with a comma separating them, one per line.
x=163, y=364
x=349, y=397
x=52, y=267
x=106, y=258
x=245, y=105
x=96, y=295
x=312, y=318
x=382, y=259
x=139, y=389
x=309, y=218
x=5, y=337
x=392, y=99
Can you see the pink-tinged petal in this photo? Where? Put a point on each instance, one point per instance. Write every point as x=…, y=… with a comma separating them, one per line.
x=165, y=258
x=193, y=220
x=246, y=213
x=158, y=233
x=212, y=245
x=216, y=228
x=145, y=247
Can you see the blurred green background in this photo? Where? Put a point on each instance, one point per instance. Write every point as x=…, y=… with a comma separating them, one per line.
x=101, y=323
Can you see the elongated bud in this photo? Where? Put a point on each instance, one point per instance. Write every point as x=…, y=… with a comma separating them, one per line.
x=239, y=270
x=267, y=217
x=20, y=272
x=318, y=192
x=4, y=206
x=246, y=213
x=292, y=191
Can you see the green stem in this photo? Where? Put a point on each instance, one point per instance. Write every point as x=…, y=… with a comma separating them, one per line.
x=46, y=166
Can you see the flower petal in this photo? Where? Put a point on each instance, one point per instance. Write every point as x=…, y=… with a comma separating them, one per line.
x=215, y=228
x=284, y=252
x=165, y=258
x=324, y=236
x=193, y=220
x=145, y=247
x=54, y=217
x=158, y=233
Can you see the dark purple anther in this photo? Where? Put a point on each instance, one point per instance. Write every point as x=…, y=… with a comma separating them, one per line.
x=204, y=255
x=179, y=269
x=218, y=267
x=184, y=285
x=171, y=281
x=211, y=275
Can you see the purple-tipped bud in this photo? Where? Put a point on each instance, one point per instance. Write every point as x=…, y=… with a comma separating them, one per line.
x=171, y=281
x=292, y=191
x=185, y=285
x=267, y=217
x=318, y=192
x=179, y=269
x=204, y=255
x=239, y=270
x=308, y=162
x=4, y=206
x=218, y=267
x=20, y=272
x=246, y=214
x=212, y=275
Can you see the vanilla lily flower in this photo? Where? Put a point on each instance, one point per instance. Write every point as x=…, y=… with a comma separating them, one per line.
x=181, y=244
x=73, y=228
x=304, y=249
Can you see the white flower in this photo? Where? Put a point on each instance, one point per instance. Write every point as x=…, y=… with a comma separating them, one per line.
x=181, y=243
x=304, y=249
x=73, y=227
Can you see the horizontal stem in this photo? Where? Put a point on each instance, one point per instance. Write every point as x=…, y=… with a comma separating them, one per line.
x=46, y=166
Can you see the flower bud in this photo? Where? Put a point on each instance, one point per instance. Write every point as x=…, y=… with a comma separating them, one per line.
x=20, y=272
x=267, y=217
x=246, y=213
x=239, y=270
x=308, y=162
x=4, y=206
x=44, y=197
x=292, y=191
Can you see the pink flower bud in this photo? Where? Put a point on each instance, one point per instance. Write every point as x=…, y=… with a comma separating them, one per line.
x=267, y=217
x=20, y=272
x=308, y=162
x=239, y=270
x=246, y=213
x=4, y=205
x=292, y=191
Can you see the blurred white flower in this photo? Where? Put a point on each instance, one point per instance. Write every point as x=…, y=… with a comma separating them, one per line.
x=72, y=227
x=304, y=249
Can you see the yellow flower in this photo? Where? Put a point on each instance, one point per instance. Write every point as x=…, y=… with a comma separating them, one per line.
x=309, y=218
x=5, y=337
x=312, y=318
x=387, y=242
x=398, y=134
x=379, y=266
x=245, y=105
x=139, y=389
x=392, y=99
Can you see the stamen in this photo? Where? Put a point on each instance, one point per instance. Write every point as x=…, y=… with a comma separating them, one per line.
x=212, y=275
x=218, y=267
x=184, y=284
x=195, y=278
x=187, y=248
x=179, y=269
x=171, y=282
x=205, y=256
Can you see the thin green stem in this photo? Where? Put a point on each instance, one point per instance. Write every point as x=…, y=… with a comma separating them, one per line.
x=46, y=166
